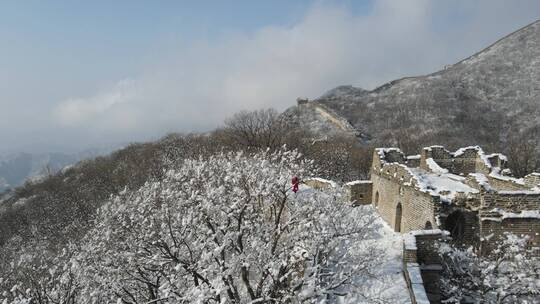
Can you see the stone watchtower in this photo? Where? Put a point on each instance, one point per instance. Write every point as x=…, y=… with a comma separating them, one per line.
x=464, y=192
x=302, y=101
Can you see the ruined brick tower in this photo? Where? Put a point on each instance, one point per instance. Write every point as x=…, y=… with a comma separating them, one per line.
x=466, y=192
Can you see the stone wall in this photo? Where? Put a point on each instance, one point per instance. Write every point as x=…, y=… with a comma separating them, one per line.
x=467, y=160
x=511, y=201
x=514, y=212
x=393, y=189
x=302, y=101
x=495, y=229
x=452, y=216
x=319, y=183
x=503, y=184
x=413, y=161
x=422, y=265
x=532, y=180
x=335, y=119
x=439, y=154
x=415, y=284
x=360, y=192
x=496, y=209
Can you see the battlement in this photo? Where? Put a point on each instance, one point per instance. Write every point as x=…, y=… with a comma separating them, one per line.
x=463, y=161
x=466, y=192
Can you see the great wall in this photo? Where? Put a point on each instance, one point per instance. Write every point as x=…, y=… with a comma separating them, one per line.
x=467, y=196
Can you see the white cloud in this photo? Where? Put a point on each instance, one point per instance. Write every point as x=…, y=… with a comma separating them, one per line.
x=79, y=111
x=203, y=83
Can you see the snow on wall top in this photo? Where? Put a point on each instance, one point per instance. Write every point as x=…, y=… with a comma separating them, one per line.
x=416, y=156
x=409, y=239
x=482, y=180
x=323, y=181
x=383, y=151
x=480, y=153
x=532, y=214
x=495, y=173
x=357, y=182
x=532, y=191
x=445, y=185
x=438, y=181
x=434, y=167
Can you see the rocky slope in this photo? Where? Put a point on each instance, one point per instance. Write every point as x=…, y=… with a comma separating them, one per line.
x=482, y=99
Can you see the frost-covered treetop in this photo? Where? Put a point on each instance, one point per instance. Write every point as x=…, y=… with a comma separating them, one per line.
x=227, y=229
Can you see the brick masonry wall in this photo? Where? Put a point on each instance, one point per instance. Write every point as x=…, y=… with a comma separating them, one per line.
x=518, y=226
x=360, y=193
x=494, y=226
x=502, y=185
x=509, y=202
x=426, y=251
x=432, y=285
x=439, y=154
x=532, y=180
x=393, y=186
x=421, y=255
x=471, y=224
x=467, y=162
x=318, y=184
x=390, y=188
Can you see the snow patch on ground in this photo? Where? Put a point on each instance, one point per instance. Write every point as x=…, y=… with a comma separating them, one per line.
x=387, y=282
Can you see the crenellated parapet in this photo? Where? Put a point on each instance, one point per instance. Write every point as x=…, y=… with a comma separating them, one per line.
x=463, y=161
x=466, y=192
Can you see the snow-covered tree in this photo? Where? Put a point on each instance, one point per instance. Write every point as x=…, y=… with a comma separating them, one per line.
x=37, y=275
x=510, y=273
x=224, y=230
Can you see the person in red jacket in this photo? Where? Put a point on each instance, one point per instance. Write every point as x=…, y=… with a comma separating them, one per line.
x=295, y=183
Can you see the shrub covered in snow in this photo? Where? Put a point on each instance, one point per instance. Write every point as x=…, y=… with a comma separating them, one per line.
x=508, y=274
x=222, y=230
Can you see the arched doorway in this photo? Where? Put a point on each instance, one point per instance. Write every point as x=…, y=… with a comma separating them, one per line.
x=376, y=199
x=399, y=212
x=428, y=226
x=455, y=224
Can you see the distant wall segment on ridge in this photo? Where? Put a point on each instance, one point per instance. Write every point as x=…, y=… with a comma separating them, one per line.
x=329, y=115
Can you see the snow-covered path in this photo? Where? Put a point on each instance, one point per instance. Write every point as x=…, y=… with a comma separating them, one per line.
x=386, y=284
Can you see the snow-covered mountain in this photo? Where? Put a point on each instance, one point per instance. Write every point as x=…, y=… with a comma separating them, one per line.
x=480, y=100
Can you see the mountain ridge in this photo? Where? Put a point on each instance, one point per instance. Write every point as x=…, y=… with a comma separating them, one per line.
x=486, y=98
x=392, y=82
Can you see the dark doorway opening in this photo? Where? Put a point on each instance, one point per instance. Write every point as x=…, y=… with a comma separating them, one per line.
x=455, y=224
x=399, y=212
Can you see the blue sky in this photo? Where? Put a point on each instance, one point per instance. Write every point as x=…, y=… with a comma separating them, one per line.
x=80, y=74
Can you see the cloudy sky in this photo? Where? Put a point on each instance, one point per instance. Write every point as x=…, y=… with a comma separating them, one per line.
x=82, y=74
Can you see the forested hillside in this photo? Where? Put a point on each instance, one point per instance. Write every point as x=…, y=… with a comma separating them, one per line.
x=212, y=218
x=490, y=99
x=48, y=225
